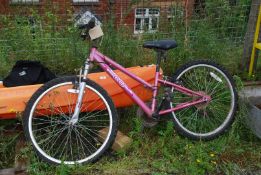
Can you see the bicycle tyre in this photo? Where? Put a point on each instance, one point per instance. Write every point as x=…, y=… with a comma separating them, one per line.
x=216, y=77
x=83, y=137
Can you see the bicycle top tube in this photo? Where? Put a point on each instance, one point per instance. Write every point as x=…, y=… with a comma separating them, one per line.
x=96, y=56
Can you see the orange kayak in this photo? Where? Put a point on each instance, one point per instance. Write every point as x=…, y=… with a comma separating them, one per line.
x=13, y=100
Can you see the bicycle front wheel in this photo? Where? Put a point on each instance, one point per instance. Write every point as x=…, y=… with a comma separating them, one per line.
x=54, y=138
x=208, y=120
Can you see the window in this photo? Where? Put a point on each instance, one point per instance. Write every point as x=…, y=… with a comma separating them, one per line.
x=25, y=1
x=146, y=20
x=84, y=1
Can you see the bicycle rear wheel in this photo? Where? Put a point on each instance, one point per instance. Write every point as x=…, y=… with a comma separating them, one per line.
x=54, y=138
x=208, y=120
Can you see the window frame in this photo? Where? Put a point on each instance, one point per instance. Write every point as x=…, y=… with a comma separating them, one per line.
x=85, y=2
x=145, y=16
x=24, y=2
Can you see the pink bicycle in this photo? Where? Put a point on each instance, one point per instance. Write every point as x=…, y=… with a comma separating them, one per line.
x=200, y=98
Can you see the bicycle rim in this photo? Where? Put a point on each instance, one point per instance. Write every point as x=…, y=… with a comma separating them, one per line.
x=207, y=119
x=57, y=140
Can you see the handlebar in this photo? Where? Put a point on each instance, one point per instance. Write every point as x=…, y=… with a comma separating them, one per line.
x=87, y=27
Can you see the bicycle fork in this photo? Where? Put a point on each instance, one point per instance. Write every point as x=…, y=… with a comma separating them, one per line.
x=80, y=92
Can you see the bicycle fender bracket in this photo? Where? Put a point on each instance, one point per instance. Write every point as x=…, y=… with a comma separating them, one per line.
x=73, y=91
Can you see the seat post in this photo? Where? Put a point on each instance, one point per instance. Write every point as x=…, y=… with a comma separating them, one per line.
x=155, y=89
x=160, y=53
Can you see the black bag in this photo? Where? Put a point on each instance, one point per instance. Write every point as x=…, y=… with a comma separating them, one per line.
x=28, y=73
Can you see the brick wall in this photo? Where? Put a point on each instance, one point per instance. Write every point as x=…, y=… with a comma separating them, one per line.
x=57, y=6
x=123, y=10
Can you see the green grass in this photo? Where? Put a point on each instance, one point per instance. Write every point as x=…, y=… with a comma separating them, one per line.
x=7, y=147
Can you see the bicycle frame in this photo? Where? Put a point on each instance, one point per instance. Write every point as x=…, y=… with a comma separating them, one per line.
x=105, y=63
